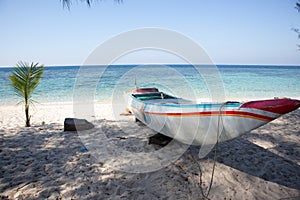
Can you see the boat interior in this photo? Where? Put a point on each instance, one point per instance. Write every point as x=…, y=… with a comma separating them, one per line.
x=161, y=98
x=154, y=95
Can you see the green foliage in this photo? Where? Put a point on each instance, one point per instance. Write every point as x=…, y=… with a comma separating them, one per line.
x=24, y=79
x=295, y=29
x=67, y=3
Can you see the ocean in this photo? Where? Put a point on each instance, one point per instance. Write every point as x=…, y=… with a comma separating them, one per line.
x=203, y=83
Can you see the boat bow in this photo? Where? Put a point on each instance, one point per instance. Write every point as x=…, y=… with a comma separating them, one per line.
x=278, y=106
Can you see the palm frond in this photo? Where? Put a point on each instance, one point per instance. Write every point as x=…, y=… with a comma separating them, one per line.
x=25, y=78
x=68, y=3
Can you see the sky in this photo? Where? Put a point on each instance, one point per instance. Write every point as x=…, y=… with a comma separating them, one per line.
x=231, y=32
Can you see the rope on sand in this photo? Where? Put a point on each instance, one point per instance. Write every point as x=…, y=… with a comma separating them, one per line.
x=220, y=120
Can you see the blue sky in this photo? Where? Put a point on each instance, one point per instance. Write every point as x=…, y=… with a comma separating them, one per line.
x=231, y=31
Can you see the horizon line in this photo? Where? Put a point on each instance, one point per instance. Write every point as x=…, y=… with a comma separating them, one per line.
x=127, y=64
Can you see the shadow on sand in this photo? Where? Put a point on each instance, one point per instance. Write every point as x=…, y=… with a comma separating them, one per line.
x=254, y=160
x=29, y=166
x=278, y=163
x=36, y=165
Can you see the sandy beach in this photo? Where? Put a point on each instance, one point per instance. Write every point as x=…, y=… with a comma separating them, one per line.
x=44, y=162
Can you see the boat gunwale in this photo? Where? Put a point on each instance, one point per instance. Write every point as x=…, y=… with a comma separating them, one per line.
x=188, y=105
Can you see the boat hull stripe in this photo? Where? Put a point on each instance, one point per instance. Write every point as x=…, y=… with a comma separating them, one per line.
x=213, y=113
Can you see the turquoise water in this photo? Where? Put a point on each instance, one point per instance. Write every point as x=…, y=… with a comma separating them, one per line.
x=103, y=84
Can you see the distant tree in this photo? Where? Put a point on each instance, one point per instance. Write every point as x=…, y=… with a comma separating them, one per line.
x=24, y=79
x=298, y=6
x=297, y=29
x=67, y=3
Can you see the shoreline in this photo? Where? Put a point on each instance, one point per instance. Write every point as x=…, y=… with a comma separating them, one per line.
x=44, y=162
x=109, y=100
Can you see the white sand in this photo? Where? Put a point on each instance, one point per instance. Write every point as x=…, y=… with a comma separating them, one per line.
x=44, y=162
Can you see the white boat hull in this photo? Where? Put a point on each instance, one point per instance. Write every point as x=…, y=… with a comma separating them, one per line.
x=200, y=124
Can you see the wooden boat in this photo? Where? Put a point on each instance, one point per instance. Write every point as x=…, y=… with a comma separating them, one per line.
x=205, y=123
